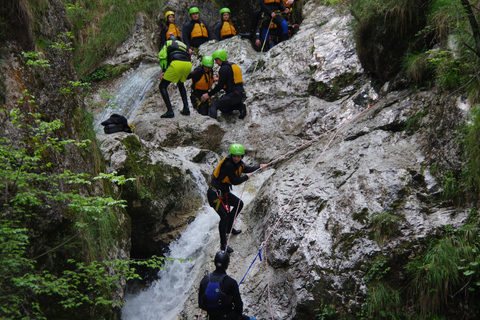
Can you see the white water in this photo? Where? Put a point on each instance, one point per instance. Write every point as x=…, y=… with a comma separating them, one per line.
x=130, y=94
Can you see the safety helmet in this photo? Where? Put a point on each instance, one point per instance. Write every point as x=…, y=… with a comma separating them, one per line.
x=220, y=54
x=207, y=61
x=193, y=10
x=223, y=10
x=237, y=149
x=222, y=259
x=173, y=38
x=169, y=13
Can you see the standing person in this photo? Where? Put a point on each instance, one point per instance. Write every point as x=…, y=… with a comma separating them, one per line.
x=230, y=79
x=224, y=29
x=176, y=65
x=202, y=81
x=272, y=8
x=169, y=28
x=228, y=173
x=219, y=294
x=195, y=31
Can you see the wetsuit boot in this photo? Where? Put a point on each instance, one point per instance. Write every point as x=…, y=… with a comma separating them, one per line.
x=183, y=93
x=163, y=91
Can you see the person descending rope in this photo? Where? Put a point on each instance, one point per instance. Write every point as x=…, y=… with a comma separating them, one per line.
x=176, y=66
x=195, y=31
x=202, y=81
x=227, y=173
x=230, y=79
x=219, y=294
x=272, y=8
x=169, y=29
x=224, y=29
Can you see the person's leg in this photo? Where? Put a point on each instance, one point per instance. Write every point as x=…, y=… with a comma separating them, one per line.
x=163, y=91
x=236, y=204
x=183, y=94
x=221, y=104
x=219, y=208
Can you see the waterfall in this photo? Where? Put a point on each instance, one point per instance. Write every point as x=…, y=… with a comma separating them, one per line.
x=130, y=94
x=165, y=298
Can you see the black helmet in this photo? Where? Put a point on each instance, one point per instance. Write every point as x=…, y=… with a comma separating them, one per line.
x=173, y=38
x=222, y=259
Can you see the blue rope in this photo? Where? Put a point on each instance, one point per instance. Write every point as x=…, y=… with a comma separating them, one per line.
x=259, y=254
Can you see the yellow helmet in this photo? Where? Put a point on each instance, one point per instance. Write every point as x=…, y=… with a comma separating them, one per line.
x=169, y=13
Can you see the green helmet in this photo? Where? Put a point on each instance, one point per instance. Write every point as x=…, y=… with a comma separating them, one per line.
x=207, y=61
x=223, y=10
x=193, y=10
x=220, y=54
x=237, y=149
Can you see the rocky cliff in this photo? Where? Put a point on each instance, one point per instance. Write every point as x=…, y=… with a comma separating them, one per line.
x=343, y=153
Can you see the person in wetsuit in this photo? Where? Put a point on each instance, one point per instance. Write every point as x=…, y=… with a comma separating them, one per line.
x=169, y=29
x=219, y=294
x=224, y=29
x=195, y=31
x=176, y=66
x=230, y=79
x=228, y=173
x=202, y=81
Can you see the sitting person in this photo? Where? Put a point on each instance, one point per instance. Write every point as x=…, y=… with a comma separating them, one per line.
x=202, y=81
x=224, y=29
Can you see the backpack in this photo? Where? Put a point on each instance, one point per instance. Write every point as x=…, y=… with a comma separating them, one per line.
x=116, y=123
x=213, y=297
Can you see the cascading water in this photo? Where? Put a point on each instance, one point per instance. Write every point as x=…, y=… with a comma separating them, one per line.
x=165, y=298
x=130, y=95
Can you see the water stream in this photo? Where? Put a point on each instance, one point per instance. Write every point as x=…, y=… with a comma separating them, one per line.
x=130, y=94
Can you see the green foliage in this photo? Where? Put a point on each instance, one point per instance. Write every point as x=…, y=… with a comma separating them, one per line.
x=105, y=25
x=383, y=302
x=384, y=226
x=326, y=312
x=30, y=185
x=34, y=60
x=448, y=268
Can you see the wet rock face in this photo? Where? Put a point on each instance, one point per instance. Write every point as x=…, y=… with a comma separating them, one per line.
x=342, y=152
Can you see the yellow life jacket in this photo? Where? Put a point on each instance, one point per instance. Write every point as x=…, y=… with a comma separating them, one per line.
x=205, y=82
x=199, y=30
x=272, y=1
x=216, y=172
x=227, y=29
x=237, y=74
x=172, y=28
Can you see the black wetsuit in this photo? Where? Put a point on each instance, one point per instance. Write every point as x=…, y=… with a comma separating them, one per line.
x=228, y=169
x=228, y=286
x=234, y=92
x=197, y=41
x=196, y=75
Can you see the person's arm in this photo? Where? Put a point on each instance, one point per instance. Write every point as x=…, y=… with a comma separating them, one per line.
x=163, y=35
x=210, y=35
x=187, y=29
x=218, y=28
x=229, y=168
x=264, y=7
x=222, y=80
x=231, y=288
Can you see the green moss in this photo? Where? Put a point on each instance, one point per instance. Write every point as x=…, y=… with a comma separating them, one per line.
x=361, y=216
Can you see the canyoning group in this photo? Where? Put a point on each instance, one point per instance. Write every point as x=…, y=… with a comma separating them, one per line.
x=270, y=25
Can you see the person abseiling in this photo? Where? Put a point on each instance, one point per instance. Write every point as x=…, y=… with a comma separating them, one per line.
x=202, y=81
x=229, y=172
x=176, y=66
x=219, y=294
x=195, y=31
x=271, y=8
x=230, y=79
x=169, y=28
x=224, y=29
